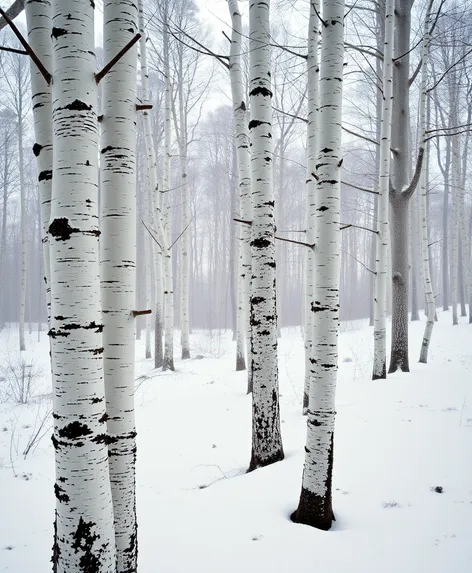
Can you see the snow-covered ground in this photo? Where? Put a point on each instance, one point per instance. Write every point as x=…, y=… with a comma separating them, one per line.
x=396, y=441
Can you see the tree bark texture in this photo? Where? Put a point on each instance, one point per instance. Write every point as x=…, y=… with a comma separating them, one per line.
x=266, y=436
x=84, y=532
x=118, y=269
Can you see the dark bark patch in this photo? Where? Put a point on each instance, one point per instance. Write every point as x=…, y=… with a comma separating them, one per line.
x=37, y=149
x=74, y=430
x=105, y=439
x=260, y=90
x=97, y=351
x=326, y=150
x=60, y=494
x=53, y=333
x=323, y=208
x=104, y=418
x=97, y=400
x=318, y=307
x=107, y=148
x=260, y=243
x=256, y=123
x=58, y=32
x=56, y=552
x=78, y=105
x=61, y=230
x=84, y=539
x=45, y=175
x=257, y=299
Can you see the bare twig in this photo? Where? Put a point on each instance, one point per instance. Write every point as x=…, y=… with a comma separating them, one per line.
x=371, y=191
x=152, y=235
x=135, y=313
x=347, y=225
x=186, y=227
x=284, y=239
x=13, y=50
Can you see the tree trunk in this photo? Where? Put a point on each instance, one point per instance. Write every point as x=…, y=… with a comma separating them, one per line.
x=24, y=251
x=315, y=505
x=84, y=532
x=266, y=437
x=415, y=315
x=311, y=157
x=39, y=24
x=238, y=92
x=381, y=263
x=118, y=269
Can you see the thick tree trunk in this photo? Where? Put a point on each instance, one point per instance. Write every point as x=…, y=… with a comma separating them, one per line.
x=266, y=437
x=84, y=532
x=311, y=157
x=118, y=269
x=381, y=263
x=315, y=505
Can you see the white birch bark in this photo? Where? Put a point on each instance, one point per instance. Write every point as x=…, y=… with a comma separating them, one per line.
x=238, y=93
x=84, y=532
x=154, y=199
x=428, y=285
x=311, y=157
x=266, y=437
x=315, y=505
x=455, y=185
x=166, y=233
x=118, y=268
x=381, y=262
x=24, y=250
x=39, y=25
x=148, y=263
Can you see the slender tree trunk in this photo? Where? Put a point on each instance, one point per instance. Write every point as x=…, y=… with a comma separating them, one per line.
x=39, y=24
x=415, y=315
x=148, y=262
x=166, y=233
x=266, y=436
x=238, y=92
x=3, y=242
x=315, y=505
x=24, y=250
x=311, y=155
x=381, y=263
x=153, y=201
x=84, y=532
x=445, y=240
x=423, y=124
x=118, y=269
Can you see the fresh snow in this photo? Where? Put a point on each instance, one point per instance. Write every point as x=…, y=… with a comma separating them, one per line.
x=395, y=441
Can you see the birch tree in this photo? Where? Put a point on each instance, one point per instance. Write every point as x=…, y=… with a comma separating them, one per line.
x=428, y=286
x=311, y=155
x=238, y=92
x=39, y=24
x=315, y=505
x=266, y=436
x=84, y=532
x=118, y=268
x=381, y=263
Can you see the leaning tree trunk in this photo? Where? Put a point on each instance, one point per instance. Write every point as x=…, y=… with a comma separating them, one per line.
x=84, y=532
x=402, y=188
x=238, y=91
x=381, y=262
x=428, y=285
x=118, y=269
x=266, y=436
x=315, y=505
x=39, y=24
x=311, y=156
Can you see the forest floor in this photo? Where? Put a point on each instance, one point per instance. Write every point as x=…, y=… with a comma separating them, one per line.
x=402, y=474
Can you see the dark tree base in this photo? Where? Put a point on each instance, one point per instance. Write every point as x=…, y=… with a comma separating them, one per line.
x=158, y=361
x=257, y=462
x=240, y=363
x=185, y=353
x=249, y=385
x=314, y=511
x=399, y=361
x=168, y=365
x=382, y=375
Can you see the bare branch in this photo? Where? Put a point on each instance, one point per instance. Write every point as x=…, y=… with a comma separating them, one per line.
x=416, y=176
x=152, y=235
x=46, y=75
x=348, y=225
x=371, y=191
x=360, y=262
x=13, y=50
x=102, y=73
x=15, y=10
x=135, y=313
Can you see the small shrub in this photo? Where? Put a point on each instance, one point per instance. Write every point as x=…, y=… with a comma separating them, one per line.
x=20, y=380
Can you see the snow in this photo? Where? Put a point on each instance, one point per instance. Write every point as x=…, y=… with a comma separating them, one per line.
x=395, y=441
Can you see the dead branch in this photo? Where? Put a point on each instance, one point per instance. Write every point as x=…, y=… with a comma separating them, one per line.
x=102, y=73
